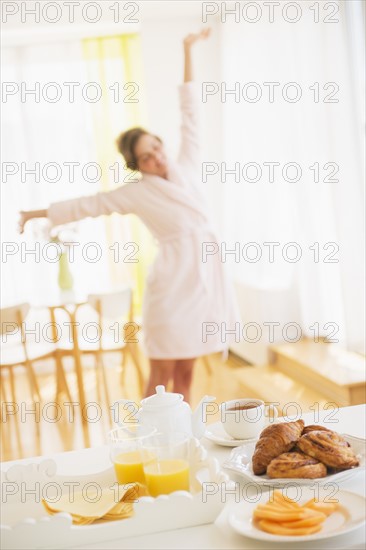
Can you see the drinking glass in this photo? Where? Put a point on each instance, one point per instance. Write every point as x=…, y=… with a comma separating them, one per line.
x=166, y=463
x=126, y=451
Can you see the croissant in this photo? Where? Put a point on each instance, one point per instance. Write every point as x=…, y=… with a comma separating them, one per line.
x=273, y=441
x=330, y=448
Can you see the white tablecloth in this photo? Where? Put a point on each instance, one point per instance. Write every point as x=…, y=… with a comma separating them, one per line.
x=350, y=420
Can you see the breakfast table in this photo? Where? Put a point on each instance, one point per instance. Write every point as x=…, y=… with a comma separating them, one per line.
x=219, y=535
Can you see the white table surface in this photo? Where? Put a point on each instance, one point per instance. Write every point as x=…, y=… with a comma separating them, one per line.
x=350, y=420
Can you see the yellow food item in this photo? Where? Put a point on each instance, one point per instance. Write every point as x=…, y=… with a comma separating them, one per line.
x=279, y=516
x=308, y=521
x=326, y=507
x=283, y=516
x=284, y=500
x=278, y=529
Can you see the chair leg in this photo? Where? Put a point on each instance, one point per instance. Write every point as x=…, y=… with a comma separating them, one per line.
x=14, y=398
x=124, y=365
x=105, y=384
x=36, y=394
x=12, y=386
x=207, y=364
x=36, y=397
x=3, y=400
x=3, y=392
x=62, y=385
x=132, y=351
x=5, y=437
x=97, y=377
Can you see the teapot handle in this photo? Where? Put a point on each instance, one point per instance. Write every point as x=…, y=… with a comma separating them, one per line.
x=132, y=417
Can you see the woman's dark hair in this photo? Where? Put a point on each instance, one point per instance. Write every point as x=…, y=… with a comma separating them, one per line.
x=126, y=143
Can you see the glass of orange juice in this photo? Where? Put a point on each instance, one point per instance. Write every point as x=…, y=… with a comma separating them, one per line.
x=166, y=463
x=127, y=451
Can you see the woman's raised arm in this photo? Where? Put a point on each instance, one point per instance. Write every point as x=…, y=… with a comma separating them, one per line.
x=188, y=42
x=189, y=152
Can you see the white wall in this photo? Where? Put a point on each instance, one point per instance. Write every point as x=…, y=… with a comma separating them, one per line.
x=163, y=69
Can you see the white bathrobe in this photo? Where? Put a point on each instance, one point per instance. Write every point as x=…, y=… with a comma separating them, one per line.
x=188, y=303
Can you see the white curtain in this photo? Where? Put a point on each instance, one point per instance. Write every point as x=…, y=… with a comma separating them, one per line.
x=48, y=132
x=312, y=134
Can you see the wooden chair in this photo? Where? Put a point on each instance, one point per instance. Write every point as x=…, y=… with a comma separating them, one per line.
x=21, y=352
x=108, y=307
x=16, y=351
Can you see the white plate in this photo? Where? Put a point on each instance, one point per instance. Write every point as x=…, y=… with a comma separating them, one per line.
x=216, y=433
x=350, y=515
x=240, y=462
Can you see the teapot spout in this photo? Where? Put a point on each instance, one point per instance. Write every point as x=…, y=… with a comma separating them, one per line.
x=199, y=416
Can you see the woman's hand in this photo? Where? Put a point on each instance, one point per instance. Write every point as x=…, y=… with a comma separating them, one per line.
x=192, y=38
x=24, y=217
x=189, y=40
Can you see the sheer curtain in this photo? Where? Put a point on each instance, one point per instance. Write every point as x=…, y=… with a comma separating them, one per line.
x=63, y=132
x=326, y=284
x=123, y=106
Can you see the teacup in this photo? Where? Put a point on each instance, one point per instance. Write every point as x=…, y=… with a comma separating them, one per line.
x=246, y=418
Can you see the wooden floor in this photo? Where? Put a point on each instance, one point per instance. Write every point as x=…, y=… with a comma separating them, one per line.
x=58, y=428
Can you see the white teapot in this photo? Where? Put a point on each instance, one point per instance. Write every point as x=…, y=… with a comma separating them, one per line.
x=167, y=412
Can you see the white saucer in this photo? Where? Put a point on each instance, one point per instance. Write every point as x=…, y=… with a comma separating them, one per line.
x=216, y=433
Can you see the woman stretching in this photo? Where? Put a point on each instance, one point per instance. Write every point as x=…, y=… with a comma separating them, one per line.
x=184, y=293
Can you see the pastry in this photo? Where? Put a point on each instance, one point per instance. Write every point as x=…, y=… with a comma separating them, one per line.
x=307, y=429
x=273, y=441
x=299, y=465
x=328, y=447
x=314, y=427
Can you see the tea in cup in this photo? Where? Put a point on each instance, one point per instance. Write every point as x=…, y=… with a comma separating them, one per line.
x=246, y=418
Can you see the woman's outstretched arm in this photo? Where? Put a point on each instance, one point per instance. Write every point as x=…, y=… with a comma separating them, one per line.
x=188, y=42
x=120, y=200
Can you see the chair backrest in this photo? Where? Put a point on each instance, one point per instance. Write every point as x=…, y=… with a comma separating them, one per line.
x=113, y=305
x=13, y=315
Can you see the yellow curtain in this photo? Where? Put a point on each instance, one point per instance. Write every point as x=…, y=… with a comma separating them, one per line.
x=115, y=63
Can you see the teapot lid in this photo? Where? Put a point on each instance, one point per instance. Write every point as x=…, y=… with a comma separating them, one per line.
x=161, y=398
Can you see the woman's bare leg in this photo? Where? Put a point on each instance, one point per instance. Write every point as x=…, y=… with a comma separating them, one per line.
x=161, y=371
x=183, y=373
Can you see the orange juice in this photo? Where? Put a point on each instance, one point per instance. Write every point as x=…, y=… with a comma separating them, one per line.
x=128, y=467
x=166, y=476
